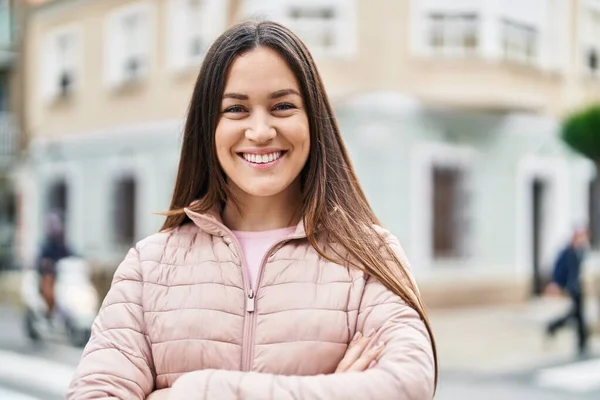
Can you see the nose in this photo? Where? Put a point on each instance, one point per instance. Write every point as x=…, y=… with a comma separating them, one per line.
x=260, y=129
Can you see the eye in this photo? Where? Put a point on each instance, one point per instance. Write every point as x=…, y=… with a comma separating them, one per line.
x=284, y=107
x=235, y=109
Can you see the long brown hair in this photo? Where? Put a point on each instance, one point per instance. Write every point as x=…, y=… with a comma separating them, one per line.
x=333, y=184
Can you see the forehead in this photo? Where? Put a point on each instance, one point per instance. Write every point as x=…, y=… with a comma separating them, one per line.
x=261, y=69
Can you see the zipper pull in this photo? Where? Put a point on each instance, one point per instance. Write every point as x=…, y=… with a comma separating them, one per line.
x=250, y=302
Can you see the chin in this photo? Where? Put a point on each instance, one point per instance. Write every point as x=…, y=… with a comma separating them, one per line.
x=262, y=192
x=262, y=188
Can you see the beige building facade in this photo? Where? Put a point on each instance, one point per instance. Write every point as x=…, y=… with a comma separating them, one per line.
x=451, y=108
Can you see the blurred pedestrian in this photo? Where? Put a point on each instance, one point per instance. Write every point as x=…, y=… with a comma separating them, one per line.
x=271, y=277
x=567, y=279
x=52, y=251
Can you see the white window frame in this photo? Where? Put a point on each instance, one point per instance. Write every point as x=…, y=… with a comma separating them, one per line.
x=584, y=173
x=6, y=38
x=72, y=173
x=420, y=22
x=53, y=65
x=590, y=35
x=519, y=28
x=553, y=171
x=142, y=168
x=345, y=29
x=425, y=157
x=454, y=32
x=542, y=15
x=213, y=21
x=554, y=40
x=118, y=168
x=115, y=54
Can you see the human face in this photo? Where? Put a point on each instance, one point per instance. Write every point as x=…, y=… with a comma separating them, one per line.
x=262, y=138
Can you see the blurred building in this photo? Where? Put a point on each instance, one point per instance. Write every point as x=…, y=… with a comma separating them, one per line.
x=10, y=12
x=451, y=110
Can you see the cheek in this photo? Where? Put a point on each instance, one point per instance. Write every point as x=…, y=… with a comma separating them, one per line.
x=304, y=138
x=299, y=136
x=224, y=140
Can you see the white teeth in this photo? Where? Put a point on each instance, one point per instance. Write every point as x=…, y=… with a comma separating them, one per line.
x=261, y=158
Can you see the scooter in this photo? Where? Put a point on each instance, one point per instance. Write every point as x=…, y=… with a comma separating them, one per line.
x=76, y=304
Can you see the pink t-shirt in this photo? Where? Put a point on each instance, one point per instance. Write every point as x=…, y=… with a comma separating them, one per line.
x=255, y=245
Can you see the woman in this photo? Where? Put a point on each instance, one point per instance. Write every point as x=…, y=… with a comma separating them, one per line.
x=271, y=278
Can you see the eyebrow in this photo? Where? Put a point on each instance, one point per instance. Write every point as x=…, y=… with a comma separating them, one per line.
x=284, y=92
x=236, y=96
x=274, y=95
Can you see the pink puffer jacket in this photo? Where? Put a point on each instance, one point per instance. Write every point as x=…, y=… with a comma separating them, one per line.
x=180, y=314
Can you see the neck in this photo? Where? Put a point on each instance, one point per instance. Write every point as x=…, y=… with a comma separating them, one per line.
x=257, y=213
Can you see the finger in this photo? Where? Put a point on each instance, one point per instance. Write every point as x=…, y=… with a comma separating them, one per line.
x=355, y=350
x=372, y=338
x=363, y=362
x=368, y=357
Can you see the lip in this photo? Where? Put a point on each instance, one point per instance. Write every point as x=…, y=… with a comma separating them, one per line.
x=260, y=152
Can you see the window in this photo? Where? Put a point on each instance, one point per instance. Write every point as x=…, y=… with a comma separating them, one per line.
x=124, y=211
x=591, y=45
x=449, y=208
x=193, y=25
x=5, y=25
x=57, y=200
x=594, y=215
x=453, y=34
x=7, y=129
x=316, y=25
x=3, y=91
x=328, y=27
x=60, y=66
x=592, y=60
x=519, y=42
x=127, y=44
x=195, y=41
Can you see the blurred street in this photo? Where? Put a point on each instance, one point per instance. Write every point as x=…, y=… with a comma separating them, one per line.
x=501, y=353
x=42, y=371
x=480, y=365
x=472, y=125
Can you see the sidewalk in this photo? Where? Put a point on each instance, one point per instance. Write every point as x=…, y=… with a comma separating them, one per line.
x=10, y=287
x=35, y=373
x=506, y=339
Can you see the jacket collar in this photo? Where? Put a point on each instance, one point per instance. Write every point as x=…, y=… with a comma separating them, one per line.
x=211, y=222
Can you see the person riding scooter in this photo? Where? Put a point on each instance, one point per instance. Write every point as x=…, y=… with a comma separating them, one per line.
x=53, y=250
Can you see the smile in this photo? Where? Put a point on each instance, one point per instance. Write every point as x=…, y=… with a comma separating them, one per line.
x=262, y=158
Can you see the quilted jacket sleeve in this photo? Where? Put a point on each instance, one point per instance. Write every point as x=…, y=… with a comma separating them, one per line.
x=405, y=370
x=117, y=362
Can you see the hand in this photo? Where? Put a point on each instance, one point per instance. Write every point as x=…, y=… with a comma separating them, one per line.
x=361, y=353
x=162, y=394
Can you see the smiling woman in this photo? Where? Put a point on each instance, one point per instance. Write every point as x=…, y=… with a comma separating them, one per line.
x=263, y=138
x=271, y=277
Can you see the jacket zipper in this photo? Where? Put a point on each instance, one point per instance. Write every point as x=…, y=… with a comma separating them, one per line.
x=249, y=292
x=250, y=321
x=250, y=296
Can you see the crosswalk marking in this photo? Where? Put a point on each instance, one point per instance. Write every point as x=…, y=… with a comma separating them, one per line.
x=44, y=375
x=580, y=377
